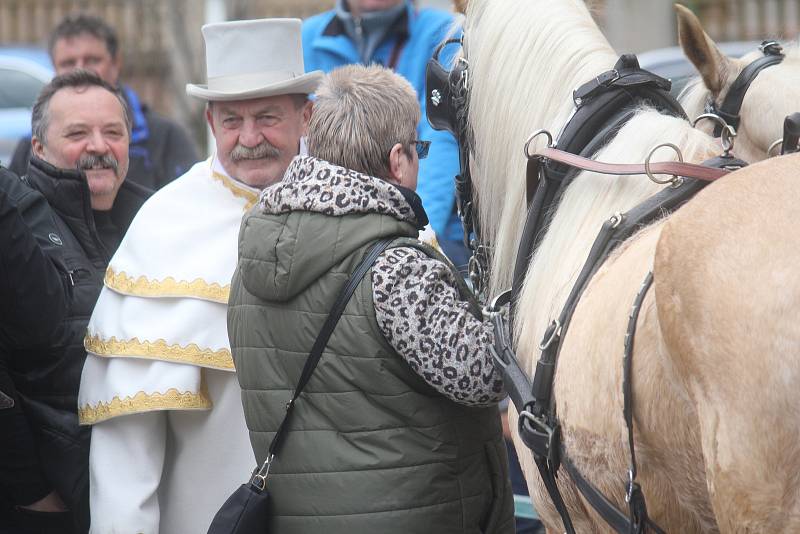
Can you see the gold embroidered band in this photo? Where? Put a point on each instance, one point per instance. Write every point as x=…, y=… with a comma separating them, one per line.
x=144, y=402
x=168, y=287
x=250, y=197
x=160, y=350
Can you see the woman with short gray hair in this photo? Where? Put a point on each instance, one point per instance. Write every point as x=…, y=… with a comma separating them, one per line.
x=398, y=429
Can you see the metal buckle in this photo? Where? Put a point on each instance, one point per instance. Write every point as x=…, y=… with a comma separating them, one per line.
x=546, y=437
x=771, y=48
x=259, y=479
x=608, y=77
x=494, y=306
x=555, y=332
x=631, y=487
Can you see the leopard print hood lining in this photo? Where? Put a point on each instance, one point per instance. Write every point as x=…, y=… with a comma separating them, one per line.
x=315, y=185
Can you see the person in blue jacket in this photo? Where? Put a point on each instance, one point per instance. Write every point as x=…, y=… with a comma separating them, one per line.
x=395, y=34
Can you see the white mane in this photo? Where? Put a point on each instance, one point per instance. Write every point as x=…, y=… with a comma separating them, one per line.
x=525, y=60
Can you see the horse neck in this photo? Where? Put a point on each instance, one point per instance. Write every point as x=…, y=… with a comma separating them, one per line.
x=586, y=204
x=525, y=60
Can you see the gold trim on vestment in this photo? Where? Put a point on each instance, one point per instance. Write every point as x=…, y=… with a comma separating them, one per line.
x=159, y=350
x=144, y=402
x=168, y=287
x=238, y=191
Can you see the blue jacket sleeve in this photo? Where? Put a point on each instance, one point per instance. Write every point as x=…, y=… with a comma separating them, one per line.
x=436, y=183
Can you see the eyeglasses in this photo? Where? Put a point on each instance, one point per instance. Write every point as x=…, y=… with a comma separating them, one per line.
x=422, y=148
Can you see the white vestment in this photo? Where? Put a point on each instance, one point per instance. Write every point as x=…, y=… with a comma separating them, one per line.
x=169, y=442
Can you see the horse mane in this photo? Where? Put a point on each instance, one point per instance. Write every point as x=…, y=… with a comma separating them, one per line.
x=513, y=92
x=525, y=60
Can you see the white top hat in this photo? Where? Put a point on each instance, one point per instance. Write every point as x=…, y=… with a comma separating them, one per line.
x=248, y=59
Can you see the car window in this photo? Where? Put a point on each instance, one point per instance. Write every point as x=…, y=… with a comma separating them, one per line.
x=18, y=89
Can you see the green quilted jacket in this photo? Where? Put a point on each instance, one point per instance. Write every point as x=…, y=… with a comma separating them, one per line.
x=372, y=448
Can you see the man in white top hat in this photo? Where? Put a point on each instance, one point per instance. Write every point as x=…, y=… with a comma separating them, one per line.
x=169, y=441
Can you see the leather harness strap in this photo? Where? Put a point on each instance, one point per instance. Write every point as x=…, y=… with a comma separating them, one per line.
x=676, y=168
x=732, y=104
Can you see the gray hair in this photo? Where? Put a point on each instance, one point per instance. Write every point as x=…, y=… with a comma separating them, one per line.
x=78, y=78
x=360, y=113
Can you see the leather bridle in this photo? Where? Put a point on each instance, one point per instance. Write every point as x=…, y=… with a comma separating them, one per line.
x=731, y=105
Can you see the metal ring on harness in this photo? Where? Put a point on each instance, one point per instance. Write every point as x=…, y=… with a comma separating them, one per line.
x=533, y=136
x=727, y=134
x=777, y=143
x=554, y=333
x=675, y=178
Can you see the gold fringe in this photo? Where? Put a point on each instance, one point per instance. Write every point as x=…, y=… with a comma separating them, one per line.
x=168, y=287
x=250, y=197
x=144, y=402
x=160, y=350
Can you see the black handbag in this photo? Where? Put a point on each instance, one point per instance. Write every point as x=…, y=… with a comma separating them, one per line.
x=246, y=511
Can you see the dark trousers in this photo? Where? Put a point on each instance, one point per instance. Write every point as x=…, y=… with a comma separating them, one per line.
x=19, y=521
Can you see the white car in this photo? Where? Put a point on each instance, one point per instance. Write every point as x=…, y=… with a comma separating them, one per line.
x=23, y=73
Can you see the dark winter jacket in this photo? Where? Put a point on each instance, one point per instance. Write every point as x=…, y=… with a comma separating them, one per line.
x=374, y=444
x=160, y=150
x=48, y=378
x=34, y=294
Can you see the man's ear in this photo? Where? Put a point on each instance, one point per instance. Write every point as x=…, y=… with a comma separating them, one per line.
x=308, y=109
x=398, y=161
x=210, y=118
x=38, y=147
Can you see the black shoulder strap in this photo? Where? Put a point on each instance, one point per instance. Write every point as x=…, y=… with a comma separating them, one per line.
x=325, y=334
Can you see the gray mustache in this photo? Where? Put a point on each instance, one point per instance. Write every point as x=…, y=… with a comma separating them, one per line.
x=106, y=161
x=261, y=151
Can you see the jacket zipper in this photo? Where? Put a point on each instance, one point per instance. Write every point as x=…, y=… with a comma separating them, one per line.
x=74, y=275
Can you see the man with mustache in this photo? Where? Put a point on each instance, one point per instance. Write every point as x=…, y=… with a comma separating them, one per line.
x=81, y=129
x=169, y=440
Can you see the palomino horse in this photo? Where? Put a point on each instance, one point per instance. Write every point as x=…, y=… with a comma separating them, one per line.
x=717, y=353
x=773, y=94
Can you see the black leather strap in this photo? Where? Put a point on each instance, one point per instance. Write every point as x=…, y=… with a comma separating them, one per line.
x=791, y=134
x=732, y=104
x=626, y=73
x=325, y=334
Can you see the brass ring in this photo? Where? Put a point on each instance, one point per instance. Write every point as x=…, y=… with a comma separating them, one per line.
x=533, y=136
x=650, y=175
x=772, y=147
x=728, y=133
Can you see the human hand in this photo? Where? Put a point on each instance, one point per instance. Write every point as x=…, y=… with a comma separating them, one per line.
x=50, y=503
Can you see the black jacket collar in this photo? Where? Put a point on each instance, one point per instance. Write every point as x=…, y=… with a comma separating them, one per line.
x=67, y=192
